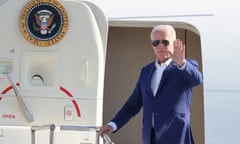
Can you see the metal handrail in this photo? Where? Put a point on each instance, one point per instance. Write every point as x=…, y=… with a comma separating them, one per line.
x=79, y=128
x=43, y=127
x=107, y=139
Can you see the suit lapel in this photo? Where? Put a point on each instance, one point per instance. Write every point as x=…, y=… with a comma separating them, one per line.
x=149, y=79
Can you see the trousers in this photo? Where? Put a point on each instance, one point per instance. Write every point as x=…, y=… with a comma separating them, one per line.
x=153, y=137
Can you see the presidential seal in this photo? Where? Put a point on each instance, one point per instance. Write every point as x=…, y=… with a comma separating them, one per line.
x=43, y=22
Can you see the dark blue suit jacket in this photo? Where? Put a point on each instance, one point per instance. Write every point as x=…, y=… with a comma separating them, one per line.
x=170, y=108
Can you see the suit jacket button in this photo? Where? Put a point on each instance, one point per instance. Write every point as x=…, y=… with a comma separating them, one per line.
x=182, y=114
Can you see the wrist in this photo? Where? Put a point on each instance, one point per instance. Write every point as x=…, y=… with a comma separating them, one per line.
x=180, y=64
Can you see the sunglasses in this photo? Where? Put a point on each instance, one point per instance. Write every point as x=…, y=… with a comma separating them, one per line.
x=157, y=42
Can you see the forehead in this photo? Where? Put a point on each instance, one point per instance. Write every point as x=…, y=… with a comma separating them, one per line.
x=162, y=34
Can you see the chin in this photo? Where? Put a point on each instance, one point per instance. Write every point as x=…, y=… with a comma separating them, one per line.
x=163, y=59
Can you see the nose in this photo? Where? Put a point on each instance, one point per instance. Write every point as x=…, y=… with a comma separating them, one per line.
x=160, y=46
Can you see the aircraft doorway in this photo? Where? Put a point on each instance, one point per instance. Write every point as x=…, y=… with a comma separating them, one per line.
x=129, y=48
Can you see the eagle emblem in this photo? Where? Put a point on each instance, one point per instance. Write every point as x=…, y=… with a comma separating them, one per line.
x=44, y=22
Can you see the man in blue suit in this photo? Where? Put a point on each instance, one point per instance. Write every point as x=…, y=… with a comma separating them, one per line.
x=164, y=91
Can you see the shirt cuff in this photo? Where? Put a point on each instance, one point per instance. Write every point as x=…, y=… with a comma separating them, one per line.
x=183, y=66
x=113, y=125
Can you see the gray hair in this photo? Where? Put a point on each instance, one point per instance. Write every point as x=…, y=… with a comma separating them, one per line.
x=161, y=27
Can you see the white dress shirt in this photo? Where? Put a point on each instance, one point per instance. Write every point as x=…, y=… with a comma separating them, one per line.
x=157, y=74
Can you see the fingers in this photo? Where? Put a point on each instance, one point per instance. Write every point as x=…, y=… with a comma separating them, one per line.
x=106, y=129
x=179, y=45
x=179, y=52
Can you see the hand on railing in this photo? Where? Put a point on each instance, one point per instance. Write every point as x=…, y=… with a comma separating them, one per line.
x=104, y=132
